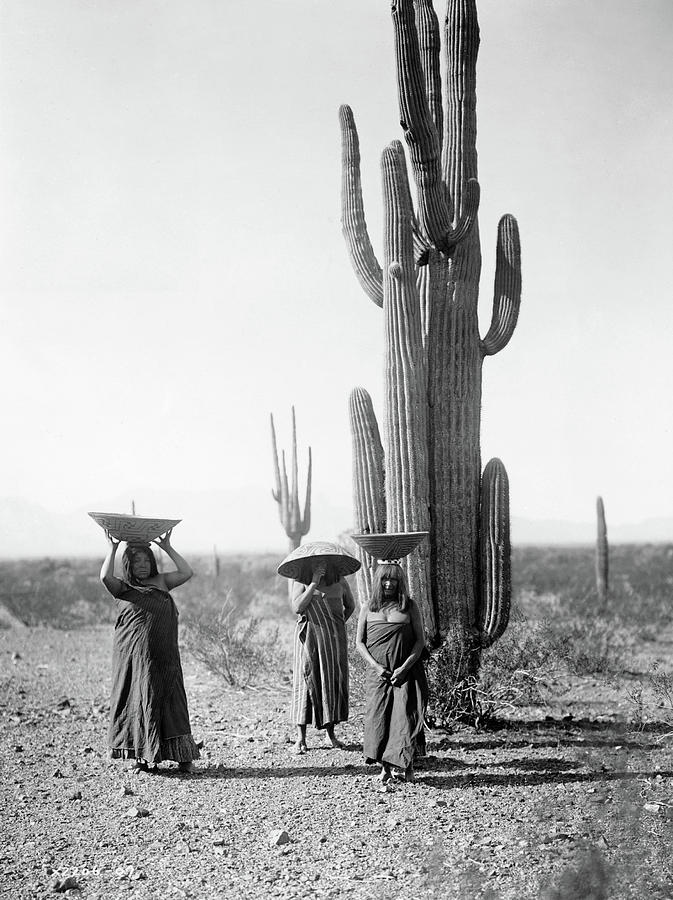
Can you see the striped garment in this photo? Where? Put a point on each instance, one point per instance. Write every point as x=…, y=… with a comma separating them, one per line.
x=320, y=666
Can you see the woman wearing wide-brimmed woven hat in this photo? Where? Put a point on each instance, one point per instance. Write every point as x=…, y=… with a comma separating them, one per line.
x=322, y=601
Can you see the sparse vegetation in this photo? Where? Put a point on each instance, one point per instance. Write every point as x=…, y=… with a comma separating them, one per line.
x=562, y=788
x=242, y=650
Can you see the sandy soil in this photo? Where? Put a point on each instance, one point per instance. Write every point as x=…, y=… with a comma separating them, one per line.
x=509, y=813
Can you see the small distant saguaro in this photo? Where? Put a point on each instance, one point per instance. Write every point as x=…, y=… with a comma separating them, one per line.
x=286, y=494
x=601, y=554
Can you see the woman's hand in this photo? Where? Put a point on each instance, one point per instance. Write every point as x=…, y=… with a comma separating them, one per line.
x=113, y=542
x=164, y=541
x=398, y=676
x=384, y=674
x=319, y=572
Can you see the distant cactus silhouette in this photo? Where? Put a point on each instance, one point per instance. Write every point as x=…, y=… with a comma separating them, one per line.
x=286, y=495
x=428, y=287
x=601, y=554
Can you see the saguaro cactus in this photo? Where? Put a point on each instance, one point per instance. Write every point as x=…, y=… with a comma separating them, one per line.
x=286, y=494
x=428, y=287
x=601, y=554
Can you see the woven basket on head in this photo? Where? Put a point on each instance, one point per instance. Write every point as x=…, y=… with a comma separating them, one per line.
x=390, y=546
x=133, y=529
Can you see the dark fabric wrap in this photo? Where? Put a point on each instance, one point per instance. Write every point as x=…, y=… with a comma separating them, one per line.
x=149, y=718
x=394, y=716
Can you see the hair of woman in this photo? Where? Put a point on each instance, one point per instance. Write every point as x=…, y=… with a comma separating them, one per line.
x=383, y=572
x=132, y=550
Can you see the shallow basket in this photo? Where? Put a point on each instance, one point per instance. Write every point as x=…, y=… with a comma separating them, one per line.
x=133, y=529
x=390, y=546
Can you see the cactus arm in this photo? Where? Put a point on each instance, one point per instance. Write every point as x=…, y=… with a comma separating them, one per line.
x=306, y=521
x=421, y=246
x=368, y=481
x=423, y=138
x=369, y=501
x=353, y=224
x=295, y=519
x=506, y=289
x=429, y=45
x=276, y=468
x=284, y=496
x=601, y=553
x=495, y=552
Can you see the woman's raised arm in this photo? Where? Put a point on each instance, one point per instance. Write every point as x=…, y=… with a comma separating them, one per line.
x=184, y=570
x=113, y=584
x=302, y=595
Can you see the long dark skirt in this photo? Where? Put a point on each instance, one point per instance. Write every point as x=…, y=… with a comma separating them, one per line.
x=149, y=718
x=394, y=724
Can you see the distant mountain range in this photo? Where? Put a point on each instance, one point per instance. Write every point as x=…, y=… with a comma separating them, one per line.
x=244, y=521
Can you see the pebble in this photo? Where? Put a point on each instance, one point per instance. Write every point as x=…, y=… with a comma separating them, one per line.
x=279, y=837
x=61, y=885
x=137, y=812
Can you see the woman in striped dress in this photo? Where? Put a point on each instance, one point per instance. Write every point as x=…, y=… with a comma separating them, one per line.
x=320, y=671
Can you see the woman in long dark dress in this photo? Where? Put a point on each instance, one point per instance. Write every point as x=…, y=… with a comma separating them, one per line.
x=390, y=639
x=149, y=718
x=320, y=672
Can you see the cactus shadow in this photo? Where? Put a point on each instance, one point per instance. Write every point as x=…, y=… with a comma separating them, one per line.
x=531, y=778
x=550, y=733
x=235, y=773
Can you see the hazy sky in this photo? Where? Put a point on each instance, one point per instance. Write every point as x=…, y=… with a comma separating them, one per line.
x=173, y=268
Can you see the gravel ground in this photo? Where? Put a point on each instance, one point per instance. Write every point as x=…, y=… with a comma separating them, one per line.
x=550, y=805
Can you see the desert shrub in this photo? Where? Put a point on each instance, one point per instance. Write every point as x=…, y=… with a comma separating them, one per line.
x=241, y=650
x=600, y=646
x=527, y=665
x=62, y=593
x=516, y=671
x=652, y=699
x=641, y=579
x=250, y=582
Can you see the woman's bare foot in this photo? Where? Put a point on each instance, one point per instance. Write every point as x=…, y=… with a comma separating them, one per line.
x=139, y=767
x=333, y=739
x=299, y=748
x=385, y=775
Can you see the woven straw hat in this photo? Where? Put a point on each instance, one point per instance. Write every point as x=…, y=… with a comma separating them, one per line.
x=300, y=564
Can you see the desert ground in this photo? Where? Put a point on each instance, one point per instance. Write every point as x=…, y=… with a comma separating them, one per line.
x=565, y=790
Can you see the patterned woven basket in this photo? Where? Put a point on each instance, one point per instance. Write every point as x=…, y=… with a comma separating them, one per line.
x=299, y=564
x=133, y=529
x=390, y=546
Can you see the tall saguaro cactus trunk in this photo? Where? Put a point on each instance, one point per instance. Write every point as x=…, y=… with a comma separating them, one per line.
x=601, y=555
x=428, y=287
